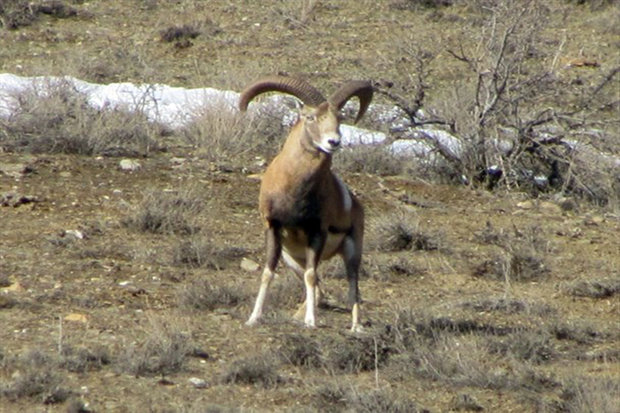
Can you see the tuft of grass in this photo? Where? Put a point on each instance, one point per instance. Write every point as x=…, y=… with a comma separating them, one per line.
x=590, y=394
x=300, y=350
x=600, y=288
x=199, y=252
x=55, y=117
x=82, y=359
x=20, y=13
x=510, y=306
x=399, y=232
x=257, y=370
x=33, y=374
x=525, y=345
x=352, y=354
x=220, y=133
x=340, y=397
x=204, y=295
x=375, y=160
x=163, y=350
x=179, y=32
x=167, y=212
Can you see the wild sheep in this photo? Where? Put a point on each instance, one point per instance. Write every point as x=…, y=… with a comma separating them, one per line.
x=309, y=213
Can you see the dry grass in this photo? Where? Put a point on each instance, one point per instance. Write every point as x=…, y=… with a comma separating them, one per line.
x=162, y=350
x=257, y=370
x=56, y=118
x=32, y=374
x=168, y=212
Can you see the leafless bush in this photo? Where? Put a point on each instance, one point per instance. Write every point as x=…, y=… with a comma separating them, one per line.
x=201, y=252
x=258, y=370
x=222, y=133
x=399, y=232
x=523, y=254
x=32, y=375
x=597, y=288
x=374, y=160
x=167, y=212
x=337, y=396
x=162, y=350
x=204, y=295
x=56, y=118
x=18, y=13
x=519, y=119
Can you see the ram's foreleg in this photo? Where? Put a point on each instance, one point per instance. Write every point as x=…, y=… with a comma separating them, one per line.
x=274, y=249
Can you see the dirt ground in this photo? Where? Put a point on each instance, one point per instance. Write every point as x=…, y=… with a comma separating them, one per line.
x=492, y=301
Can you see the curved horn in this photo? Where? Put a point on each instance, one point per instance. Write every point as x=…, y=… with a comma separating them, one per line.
x=359, y=88
x=301, y=89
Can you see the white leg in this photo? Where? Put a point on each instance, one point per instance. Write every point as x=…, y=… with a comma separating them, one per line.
x=266, y=279
x=310, y=280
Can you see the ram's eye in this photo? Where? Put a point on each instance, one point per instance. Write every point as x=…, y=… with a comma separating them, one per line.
x=311, y=118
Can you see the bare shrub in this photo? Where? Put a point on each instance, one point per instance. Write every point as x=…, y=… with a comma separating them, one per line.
x=179, y=32
x=200, y=252
x=162, y=350
x=33, y=374
x=55, y=117
x=328, y=397
x=400, y=232
x=82, y=359
x=167, y=212
x=205, y=295
x=525, y=345
x=518, y=118
x=369, y=159
x=523, y=256
x=590, y=394
x=257, y=370
x=300, y=350
x=221, y=133
x=350, y=354
x=601, y=288
x=18, y=13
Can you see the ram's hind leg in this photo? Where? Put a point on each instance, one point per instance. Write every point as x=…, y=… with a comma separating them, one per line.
x=298, y=270
x=352, y=256
x=274, y=249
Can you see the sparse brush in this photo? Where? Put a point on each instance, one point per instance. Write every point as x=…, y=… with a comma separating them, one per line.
x=205, y=295
x=337, y=396
x=526, y=345
x=257, y=370
x=163, y=350
x=601, y=288
x=510, y=306
x=590, y=394
x=32, y=375
x=350, y=354
x=376, y=160
x=399, y=232
x=200, y=252
x=82, y=359
x=167, y=212
x=56, y=118
x=221, y=133
x=300, y=350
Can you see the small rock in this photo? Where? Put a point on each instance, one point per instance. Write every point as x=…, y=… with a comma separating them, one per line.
x=74, y=233
x=81, y=318
x=526, y=204
x=129, y=165
x=550, y=208
x=249, y=265
x=198, y=383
